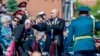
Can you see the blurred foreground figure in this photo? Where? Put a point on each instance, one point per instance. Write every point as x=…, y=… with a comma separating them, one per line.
x=36, y=53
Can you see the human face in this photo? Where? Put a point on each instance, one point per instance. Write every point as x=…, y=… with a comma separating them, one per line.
x=67, y=24
x=38, y=20
x=23, y=8
x=65, y=33
x=19, y=16
x=6, y=23
x=15, y=21
x=54, y=14
x=28, y=25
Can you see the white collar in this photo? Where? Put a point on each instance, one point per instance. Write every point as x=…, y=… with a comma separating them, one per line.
x=56, y=19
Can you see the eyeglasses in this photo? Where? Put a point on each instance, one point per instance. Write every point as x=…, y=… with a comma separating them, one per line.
x=16, y=20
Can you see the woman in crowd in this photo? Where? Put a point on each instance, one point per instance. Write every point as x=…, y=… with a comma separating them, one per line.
x=6, y=33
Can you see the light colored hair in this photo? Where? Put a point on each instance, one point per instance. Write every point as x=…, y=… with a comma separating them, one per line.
x=5, y=18
x=27, y=21
x=55, y=10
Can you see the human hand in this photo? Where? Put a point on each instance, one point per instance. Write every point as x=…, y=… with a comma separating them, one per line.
x=97, y=45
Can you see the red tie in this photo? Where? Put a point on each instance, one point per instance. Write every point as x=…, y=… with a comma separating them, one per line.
x=35, y=46
x=52, y=49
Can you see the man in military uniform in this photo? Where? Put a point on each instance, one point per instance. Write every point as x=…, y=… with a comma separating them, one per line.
x=21, y=13
x=38, y=24
x=82, y=30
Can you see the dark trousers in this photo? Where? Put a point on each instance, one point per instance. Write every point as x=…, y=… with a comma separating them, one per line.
x=59, y=44
x=1, y=51
x=19, y=49
x=47, y=44
x=85, y=53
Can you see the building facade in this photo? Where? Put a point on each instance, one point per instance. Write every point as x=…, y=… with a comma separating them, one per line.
x=35, y=6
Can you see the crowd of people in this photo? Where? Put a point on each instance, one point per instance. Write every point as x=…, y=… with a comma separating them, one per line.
x=22, y=35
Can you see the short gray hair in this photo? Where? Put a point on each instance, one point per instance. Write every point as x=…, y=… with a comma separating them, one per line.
x=5, y=18
x=55, y=11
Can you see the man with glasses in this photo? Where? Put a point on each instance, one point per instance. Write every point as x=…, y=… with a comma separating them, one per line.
x=15, y=23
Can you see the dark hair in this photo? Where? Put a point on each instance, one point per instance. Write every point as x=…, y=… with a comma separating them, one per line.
x=39, y=17
x=83, y=12
x=16, y=18
x=42, y=15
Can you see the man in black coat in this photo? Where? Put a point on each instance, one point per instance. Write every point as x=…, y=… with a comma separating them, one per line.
x=38, y=24
x=54, y=29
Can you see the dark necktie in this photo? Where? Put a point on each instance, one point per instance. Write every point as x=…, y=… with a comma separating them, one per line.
x=26, y=33
x=52, y=34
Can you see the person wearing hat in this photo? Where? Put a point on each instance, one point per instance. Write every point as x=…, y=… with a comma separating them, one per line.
x=82, y=30
x=21, y=15
x=38, y=24
x=22, y=6
x=42, y=14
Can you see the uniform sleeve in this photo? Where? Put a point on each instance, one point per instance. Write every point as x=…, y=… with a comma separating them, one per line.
x=97, y=26
x=48, y=29
x=39, y=27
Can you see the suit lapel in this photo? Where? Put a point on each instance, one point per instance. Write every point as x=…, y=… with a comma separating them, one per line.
x=58, y=21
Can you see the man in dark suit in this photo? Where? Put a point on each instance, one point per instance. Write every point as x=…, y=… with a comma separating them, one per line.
x=54, y=29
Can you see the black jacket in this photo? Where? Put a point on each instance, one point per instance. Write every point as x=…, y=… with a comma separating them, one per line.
x=40, y=27
x=19, y=32
x=58, y=27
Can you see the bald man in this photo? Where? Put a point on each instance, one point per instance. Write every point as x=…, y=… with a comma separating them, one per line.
x=55, y=28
